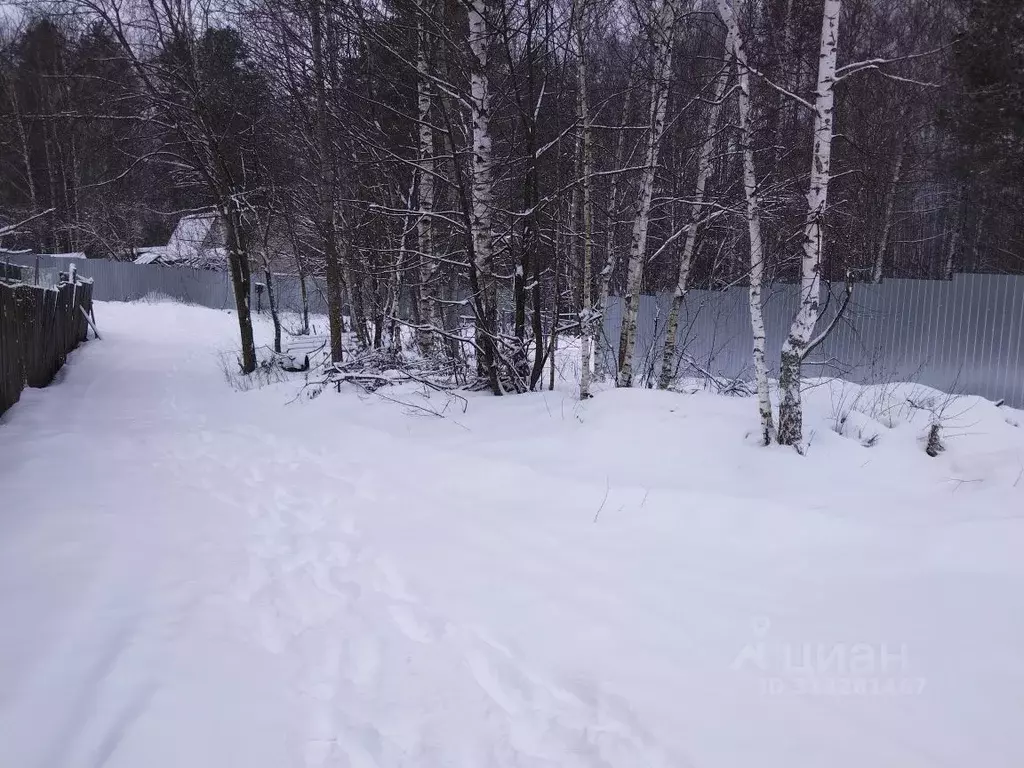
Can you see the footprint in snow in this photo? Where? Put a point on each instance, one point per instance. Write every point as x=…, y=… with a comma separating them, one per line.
x=410, y=625
x=389, y=582
x=491, y=683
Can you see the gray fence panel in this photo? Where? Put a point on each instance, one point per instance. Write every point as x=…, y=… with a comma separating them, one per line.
x=123, y=281
x=1012, y=381
x=964, y=335
x=972, y=328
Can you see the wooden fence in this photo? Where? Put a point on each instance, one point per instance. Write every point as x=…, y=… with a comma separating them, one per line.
x=38, y=328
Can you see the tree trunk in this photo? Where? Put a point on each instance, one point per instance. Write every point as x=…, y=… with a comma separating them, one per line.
x=378, y=330
x=481, y=193
x=734, y=44
x=301, y=272
x=425, y=223
x=357, y=307
x=556, y=310
x=272, y=301
x=326, y=186
x=395, y=282
x=795, y=347
x=530, y=259
x=530, y=249
x=525, y=376
x=587, y=315
x=238, y=261
x=952, y=245
x=890, y=203
x=663, y=37
x=519, y=361
x=668, y=361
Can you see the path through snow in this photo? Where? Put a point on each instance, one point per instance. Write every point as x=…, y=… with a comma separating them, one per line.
x=183, y=586
x=192, y=576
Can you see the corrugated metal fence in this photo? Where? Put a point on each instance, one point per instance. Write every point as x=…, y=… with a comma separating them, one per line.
x=965, y=335
x=122, y=281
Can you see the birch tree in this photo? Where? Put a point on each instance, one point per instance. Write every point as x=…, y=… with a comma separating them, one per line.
x=482, y=237
x=588, y=317
x=425, y=223
x=662, y=33
x=798, y=343
x=752, y=197
x=458, y=152
x=611, y=253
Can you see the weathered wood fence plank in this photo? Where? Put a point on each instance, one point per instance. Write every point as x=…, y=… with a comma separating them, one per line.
x=38, y=328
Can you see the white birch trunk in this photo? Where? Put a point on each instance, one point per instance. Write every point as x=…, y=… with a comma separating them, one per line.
x=587, y=314
x=734, y=43
x=425, y=224
x=664, y=25
x=481, y=193
x=396, y=279
x=668, y=362
x=795, y=347
x=890, y=204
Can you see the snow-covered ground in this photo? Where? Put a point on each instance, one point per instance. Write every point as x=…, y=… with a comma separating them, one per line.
x=196, y=576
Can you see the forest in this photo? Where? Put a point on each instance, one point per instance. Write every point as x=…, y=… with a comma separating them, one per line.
x=522, y=161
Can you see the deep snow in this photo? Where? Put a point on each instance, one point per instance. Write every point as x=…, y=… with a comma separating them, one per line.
x=196, y=576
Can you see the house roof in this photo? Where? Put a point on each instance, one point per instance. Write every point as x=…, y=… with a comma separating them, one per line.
x=148, y=257
x=191, y=244
x=190, y=236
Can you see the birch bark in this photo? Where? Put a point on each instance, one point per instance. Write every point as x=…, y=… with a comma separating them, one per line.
x=734, y=42
x=795, y=347
x=587, y=315
x=481, y=190
x=425, y=224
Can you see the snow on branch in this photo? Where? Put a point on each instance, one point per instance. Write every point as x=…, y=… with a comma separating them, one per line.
x=850, y=69
x=10, y=228
x=784, y=91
